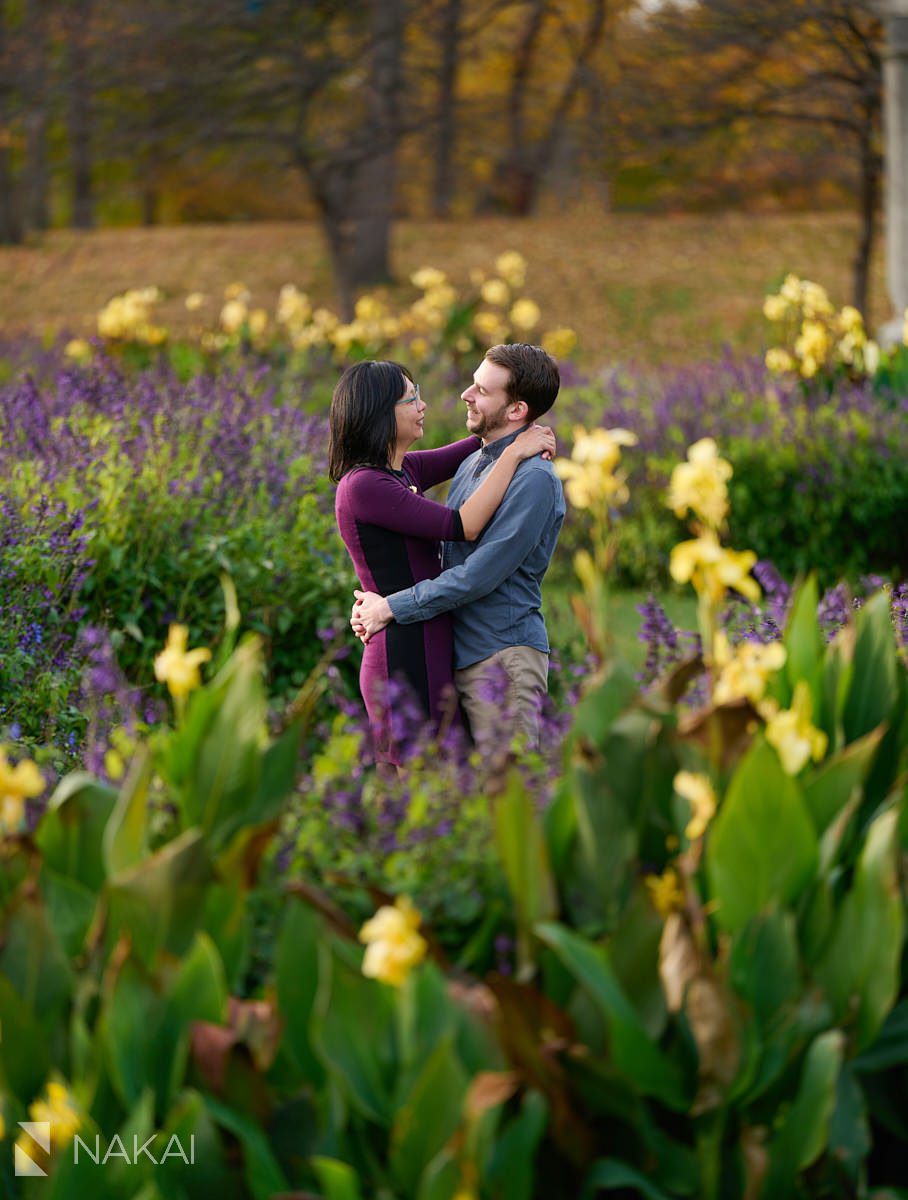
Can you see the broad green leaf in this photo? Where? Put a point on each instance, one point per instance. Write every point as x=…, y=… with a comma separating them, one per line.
x=71, y=908
x=261, y=1171
x=524, y=857
x=353, y=1035
x=604, y=703
x=279, y=768
x=762, y=849
x=160, y=901
x=635, y=1055
x=828, y=787
x=860, y=968
x=428, y=1117
x=70, y=833
x=128, y=1024
x=765, y=965
x=215, y=758
x=804, y=642
x=228, y=921
x=873, y=688
x=337, y=1179
x=609, y=1174
x=125, y=835
x=198, y=993
x=849, y=1133
x=25, y=1052
x=890, y=1048
x=210, y=1175
x=33, y=961
x=805, y=1133
x=296, y=969
x=511, y=1172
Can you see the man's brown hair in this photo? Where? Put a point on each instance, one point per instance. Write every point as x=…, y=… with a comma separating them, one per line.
x=533, y=375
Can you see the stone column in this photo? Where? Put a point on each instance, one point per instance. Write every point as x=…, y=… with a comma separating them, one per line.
x=895, y=129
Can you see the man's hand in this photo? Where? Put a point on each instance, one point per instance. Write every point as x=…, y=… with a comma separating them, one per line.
x=371, y=613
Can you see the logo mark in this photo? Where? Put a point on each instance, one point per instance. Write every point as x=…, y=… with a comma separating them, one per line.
x=39, y=1133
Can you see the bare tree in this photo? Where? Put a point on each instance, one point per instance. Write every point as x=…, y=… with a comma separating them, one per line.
x=36, y=89
x=810, y=63
x=78, y=31
x=516, y=182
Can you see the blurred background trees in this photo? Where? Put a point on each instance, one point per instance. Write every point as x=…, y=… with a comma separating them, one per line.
x=355, y=112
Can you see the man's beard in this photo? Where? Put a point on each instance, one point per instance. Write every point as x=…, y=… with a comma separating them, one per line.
x=490, y=423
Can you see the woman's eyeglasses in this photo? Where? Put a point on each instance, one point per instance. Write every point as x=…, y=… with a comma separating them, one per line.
x=409, y=399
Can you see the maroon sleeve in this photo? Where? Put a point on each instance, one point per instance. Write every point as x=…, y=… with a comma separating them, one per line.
x=429, y=467
x=378, y=498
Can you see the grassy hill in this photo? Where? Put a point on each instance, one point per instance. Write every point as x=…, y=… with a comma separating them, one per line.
x=636, y=288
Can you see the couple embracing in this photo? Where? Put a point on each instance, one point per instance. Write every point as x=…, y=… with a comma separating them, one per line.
x=451, y=593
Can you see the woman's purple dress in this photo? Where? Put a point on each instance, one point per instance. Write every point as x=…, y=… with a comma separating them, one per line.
x=392, y=533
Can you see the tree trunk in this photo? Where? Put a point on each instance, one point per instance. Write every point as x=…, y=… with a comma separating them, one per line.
x=36, y=175
x=519, y=178
x=446, y=130
x=355, y=192
x=10, y=222
x=80, y=114
x=871, y=167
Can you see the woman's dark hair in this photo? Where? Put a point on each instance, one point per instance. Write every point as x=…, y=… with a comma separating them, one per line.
x=362, y=421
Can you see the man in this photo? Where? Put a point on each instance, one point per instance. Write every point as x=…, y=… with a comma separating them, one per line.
x=493, y=585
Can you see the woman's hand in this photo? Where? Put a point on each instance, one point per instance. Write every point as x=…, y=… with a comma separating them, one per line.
x=536, y=439
x=371, y=613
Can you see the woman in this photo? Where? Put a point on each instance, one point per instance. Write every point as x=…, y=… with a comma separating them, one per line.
x=392, y=531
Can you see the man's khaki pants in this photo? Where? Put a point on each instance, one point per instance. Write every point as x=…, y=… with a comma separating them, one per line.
x=526, y=672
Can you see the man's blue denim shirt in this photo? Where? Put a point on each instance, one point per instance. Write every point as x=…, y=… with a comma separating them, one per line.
x=493, y=586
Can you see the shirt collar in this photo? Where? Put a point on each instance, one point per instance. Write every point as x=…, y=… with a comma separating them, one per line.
x=494, y=449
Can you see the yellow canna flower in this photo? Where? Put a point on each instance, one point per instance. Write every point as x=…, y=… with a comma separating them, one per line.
x=59, y=1110
x=791, y=289
x=293, y=306
x=495, y=291
x=394, y=945
x=850, y=320
x=17, y=784
x=178, y=667
x=813, y=342
x=814, y=300
x=560, y=342
x=79, y=350
x=233, y=316
x=370, y=308
x=779, y=361
x=697, y=789
x=428, y=277
x=258, y=322
x=665, y=892
x=512, y=268
x=441, y=297
x=490, y=326
x=775, y=308
x=237, y=291
x=713, y=569
x=744, y=671
x=525, y=314
x=419, y=348
x=699, y=485
x=194, y=301
x=790, y=731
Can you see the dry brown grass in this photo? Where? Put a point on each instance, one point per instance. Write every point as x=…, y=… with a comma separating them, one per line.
x=655, y=288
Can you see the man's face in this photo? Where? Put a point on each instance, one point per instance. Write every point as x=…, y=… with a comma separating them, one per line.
x=487, y=401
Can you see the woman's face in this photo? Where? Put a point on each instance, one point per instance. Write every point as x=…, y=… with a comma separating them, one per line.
x=410, y=412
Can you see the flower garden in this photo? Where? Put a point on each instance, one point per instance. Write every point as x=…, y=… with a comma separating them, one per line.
x=664, y=957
